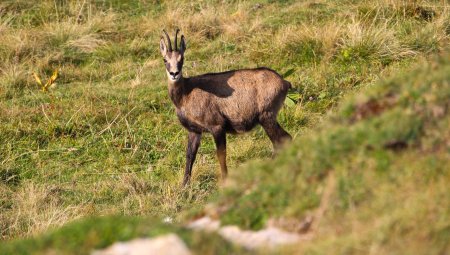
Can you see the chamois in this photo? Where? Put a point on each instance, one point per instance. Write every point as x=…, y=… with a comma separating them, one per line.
x=220, y=103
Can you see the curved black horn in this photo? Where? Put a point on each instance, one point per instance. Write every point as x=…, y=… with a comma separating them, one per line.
x=168, y=40
x=176, y=37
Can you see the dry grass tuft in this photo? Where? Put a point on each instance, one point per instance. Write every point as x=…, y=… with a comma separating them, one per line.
x=37, y=208
x=86, y=43
x=14, y=76
x=377, y=42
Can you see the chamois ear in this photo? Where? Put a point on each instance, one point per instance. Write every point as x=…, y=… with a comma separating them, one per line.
x=162, y=47
x=182, y=45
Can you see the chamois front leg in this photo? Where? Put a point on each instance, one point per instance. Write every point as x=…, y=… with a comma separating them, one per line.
x=191, y=152
x=221, y=145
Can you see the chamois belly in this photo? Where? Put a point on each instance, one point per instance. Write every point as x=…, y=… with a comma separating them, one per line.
x=241, y=114
x=199, y=121
x=241, y=126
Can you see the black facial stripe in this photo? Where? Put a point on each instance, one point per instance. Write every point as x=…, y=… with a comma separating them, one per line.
x=180, y=65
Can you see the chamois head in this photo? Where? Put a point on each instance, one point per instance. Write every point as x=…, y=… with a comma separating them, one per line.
x=173, y=59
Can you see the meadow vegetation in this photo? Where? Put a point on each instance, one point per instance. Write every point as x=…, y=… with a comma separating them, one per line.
x=374, y=177
x=105, y=139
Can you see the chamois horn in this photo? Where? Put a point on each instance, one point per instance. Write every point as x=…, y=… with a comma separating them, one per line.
x=168, y=40
x=176, y=37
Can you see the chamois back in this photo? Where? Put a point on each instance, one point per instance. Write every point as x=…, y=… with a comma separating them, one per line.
x=235, y=98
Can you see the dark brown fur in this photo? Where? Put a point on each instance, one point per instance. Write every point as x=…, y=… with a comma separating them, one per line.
x=228, y=102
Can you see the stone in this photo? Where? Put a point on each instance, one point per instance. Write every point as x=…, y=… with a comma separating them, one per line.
x=169, y=244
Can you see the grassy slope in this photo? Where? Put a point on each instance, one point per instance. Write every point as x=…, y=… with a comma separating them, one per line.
x=378, y=167
x=106, y=141
x=383, y=157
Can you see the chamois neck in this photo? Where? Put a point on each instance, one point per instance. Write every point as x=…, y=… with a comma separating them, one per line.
x=176, y=91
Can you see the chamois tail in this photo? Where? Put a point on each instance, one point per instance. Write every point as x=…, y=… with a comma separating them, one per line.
x=287, y=84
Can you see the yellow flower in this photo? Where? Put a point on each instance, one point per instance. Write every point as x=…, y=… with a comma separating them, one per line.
x=50, y=81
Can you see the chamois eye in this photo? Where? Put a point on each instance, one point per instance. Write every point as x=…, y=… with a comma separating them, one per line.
x=165, y=61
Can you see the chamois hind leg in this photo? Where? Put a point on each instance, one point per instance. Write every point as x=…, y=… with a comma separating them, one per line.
x=275, y=132
x=191, y=152
x=221, y=145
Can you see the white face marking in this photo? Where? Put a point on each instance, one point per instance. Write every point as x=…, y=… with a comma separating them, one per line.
x=173, y=62
x=173, y=78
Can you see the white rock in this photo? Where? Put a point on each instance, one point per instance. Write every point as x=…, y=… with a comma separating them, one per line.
x=205, y=223
x=269, y=237
x=169, y=244
x=167, y=219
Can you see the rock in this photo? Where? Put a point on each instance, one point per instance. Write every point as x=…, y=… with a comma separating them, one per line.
x=292, y=224
x=257, y=6
x=270, y=237
x=169, y=244
x=205, y=223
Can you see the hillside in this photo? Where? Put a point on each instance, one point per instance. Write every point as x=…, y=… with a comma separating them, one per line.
x=368, y=112
x=374, y=177
x=377, y=169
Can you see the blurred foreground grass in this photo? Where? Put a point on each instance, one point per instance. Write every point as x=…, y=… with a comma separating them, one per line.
x=374, y=177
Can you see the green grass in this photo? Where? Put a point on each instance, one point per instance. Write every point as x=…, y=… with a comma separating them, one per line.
x=387, y=150
x=105, y=139
x=81, y=237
